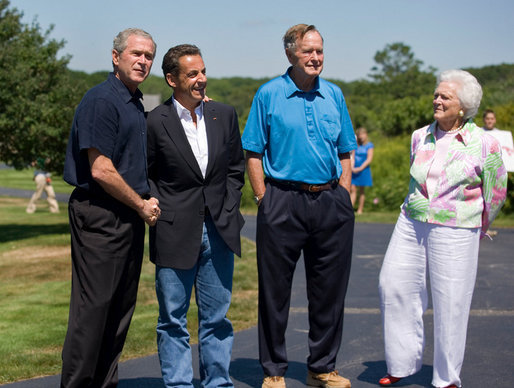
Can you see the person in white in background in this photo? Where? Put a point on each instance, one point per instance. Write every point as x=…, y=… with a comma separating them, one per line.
x=504, y=137
x=505, y=140
x=43, y=182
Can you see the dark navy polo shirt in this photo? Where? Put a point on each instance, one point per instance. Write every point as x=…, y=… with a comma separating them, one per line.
x=112, y=120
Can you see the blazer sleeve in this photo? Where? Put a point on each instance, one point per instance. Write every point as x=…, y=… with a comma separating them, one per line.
x=236, y=166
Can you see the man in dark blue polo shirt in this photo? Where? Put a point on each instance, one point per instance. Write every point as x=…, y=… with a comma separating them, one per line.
x=106, y=162
x=299, y=135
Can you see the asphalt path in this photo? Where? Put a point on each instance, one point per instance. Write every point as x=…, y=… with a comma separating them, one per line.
x=489, y=360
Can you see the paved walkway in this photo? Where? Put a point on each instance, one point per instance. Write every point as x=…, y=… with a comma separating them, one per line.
x=490, y=347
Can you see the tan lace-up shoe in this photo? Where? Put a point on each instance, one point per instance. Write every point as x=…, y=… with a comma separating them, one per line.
x=273, y=382
x=327, y=380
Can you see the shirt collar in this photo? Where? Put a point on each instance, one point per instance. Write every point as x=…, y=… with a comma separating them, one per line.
x=291, y=87
x=124, y=92
x=463, y=134
x=183, y=113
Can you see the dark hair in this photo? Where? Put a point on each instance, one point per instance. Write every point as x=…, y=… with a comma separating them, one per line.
x=170, y=64
x=487, y=111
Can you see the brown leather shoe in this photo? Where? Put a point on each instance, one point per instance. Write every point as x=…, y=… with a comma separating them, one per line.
x=327, y=380
x=388, y=380
x=273, y=382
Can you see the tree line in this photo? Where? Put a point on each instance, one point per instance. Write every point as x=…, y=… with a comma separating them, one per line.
x=39, y=94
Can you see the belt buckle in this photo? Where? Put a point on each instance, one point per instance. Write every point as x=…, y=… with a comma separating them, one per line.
x=314, y=188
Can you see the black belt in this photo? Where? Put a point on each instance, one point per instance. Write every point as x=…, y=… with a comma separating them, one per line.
x=301, y=186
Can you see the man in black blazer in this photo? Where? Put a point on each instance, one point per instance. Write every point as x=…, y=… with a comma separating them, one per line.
x=196, y=171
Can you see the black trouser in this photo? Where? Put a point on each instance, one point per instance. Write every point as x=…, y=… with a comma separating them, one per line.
x=107, y=240
x=321, y=224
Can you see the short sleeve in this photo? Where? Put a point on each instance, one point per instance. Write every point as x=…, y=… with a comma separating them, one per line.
x=255, y=135
x=97, y=126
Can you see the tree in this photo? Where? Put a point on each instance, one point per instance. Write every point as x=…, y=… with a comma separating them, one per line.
x=399, y=74
x=394, y=60
x=37, y=100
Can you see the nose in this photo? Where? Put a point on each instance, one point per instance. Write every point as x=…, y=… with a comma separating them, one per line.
x=143, y=59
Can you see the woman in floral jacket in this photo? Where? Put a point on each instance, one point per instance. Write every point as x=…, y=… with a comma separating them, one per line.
x=457, y=187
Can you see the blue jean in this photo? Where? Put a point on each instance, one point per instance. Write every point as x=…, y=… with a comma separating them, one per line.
x=212, y=278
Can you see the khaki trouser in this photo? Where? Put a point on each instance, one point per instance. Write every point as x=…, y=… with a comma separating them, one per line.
x=41, y=185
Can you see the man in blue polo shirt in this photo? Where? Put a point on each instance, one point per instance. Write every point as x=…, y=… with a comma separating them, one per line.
x=106, y=162
x=298, y=139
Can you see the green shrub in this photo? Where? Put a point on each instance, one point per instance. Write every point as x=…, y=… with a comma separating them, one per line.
x=390, y=171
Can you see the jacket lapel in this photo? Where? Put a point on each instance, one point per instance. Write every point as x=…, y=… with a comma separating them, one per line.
x=173, y=126
x=212, y=126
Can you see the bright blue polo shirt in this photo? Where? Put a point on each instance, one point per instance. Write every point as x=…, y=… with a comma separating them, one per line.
x=300, y=134
x=112, y=120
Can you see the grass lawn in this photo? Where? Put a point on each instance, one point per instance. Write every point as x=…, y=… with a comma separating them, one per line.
x=35, y=288
x=23, y=179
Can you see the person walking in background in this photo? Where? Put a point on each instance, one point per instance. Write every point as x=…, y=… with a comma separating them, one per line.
x=299, y=135
x=106, y=162
x=43, y=183
x=196, y=169
x=457, y=187
x=361, y=170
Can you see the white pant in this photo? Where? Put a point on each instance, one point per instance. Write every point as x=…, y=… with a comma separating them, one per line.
x=41, y=185
x=451, y=256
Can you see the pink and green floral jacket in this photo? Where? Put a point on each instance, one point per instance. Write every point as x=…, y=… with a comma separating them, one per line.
x=472, y=187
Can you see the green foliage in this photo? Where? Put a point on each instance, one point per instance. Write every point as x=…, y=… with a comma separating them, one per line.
x=394, y=60
x=156, y=85
x=36, y=95
x=508, y=207
x=390, y=171
x=235, y=91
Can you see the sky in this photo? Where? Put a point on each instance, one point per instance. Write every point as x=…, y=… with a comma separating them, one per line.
x=244, y=38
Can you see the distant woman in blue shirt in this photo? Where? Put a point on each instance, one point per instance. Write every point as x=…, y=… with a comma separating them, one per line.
x=361, y=171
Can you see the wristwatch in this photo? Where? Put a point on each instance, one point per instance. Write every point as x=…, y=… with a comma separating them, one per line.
x=257, y=199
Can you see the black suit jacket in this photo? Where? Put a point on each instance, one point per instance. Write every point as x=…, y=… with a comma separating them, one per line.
x=184, y=195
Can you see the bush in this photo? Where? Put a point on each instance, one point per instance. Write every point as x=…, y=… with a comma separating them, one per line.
x=390, y=171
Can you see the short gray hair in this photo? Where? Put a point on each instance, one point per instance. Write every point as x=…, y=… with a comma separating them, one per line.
x=296, y=32
x=120, y=41
x=469, y=90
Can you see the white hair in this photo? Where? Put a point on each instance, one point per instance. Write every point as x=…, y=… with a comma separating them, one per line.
x=469, y=90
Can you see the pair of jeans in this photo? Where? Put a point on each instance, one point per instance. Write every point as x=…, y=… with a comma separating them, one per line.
x=212, y=279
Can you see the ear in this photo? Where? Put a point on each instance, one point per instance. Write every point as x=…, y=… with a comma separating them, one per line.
x=290, y=57
x=115, y=57
x=170, y=79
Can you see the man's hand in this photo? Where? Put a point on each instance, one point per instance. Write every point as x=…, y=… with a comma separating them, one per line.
x=150, y=211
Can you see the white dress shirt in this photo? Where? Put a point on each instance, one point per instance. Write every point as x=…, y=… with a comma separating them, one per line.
x=196, y=134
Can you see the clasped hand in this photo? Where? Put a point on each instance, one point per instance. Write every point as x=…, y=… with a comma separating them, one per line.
x=151, y=211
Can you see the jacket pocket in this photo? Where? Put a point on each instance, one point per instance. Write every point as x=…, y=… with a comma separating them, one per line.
x=167, y=216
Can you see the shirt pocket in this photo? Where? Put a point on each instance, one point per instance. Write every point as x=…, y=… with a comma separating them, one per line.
x=330, y=128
